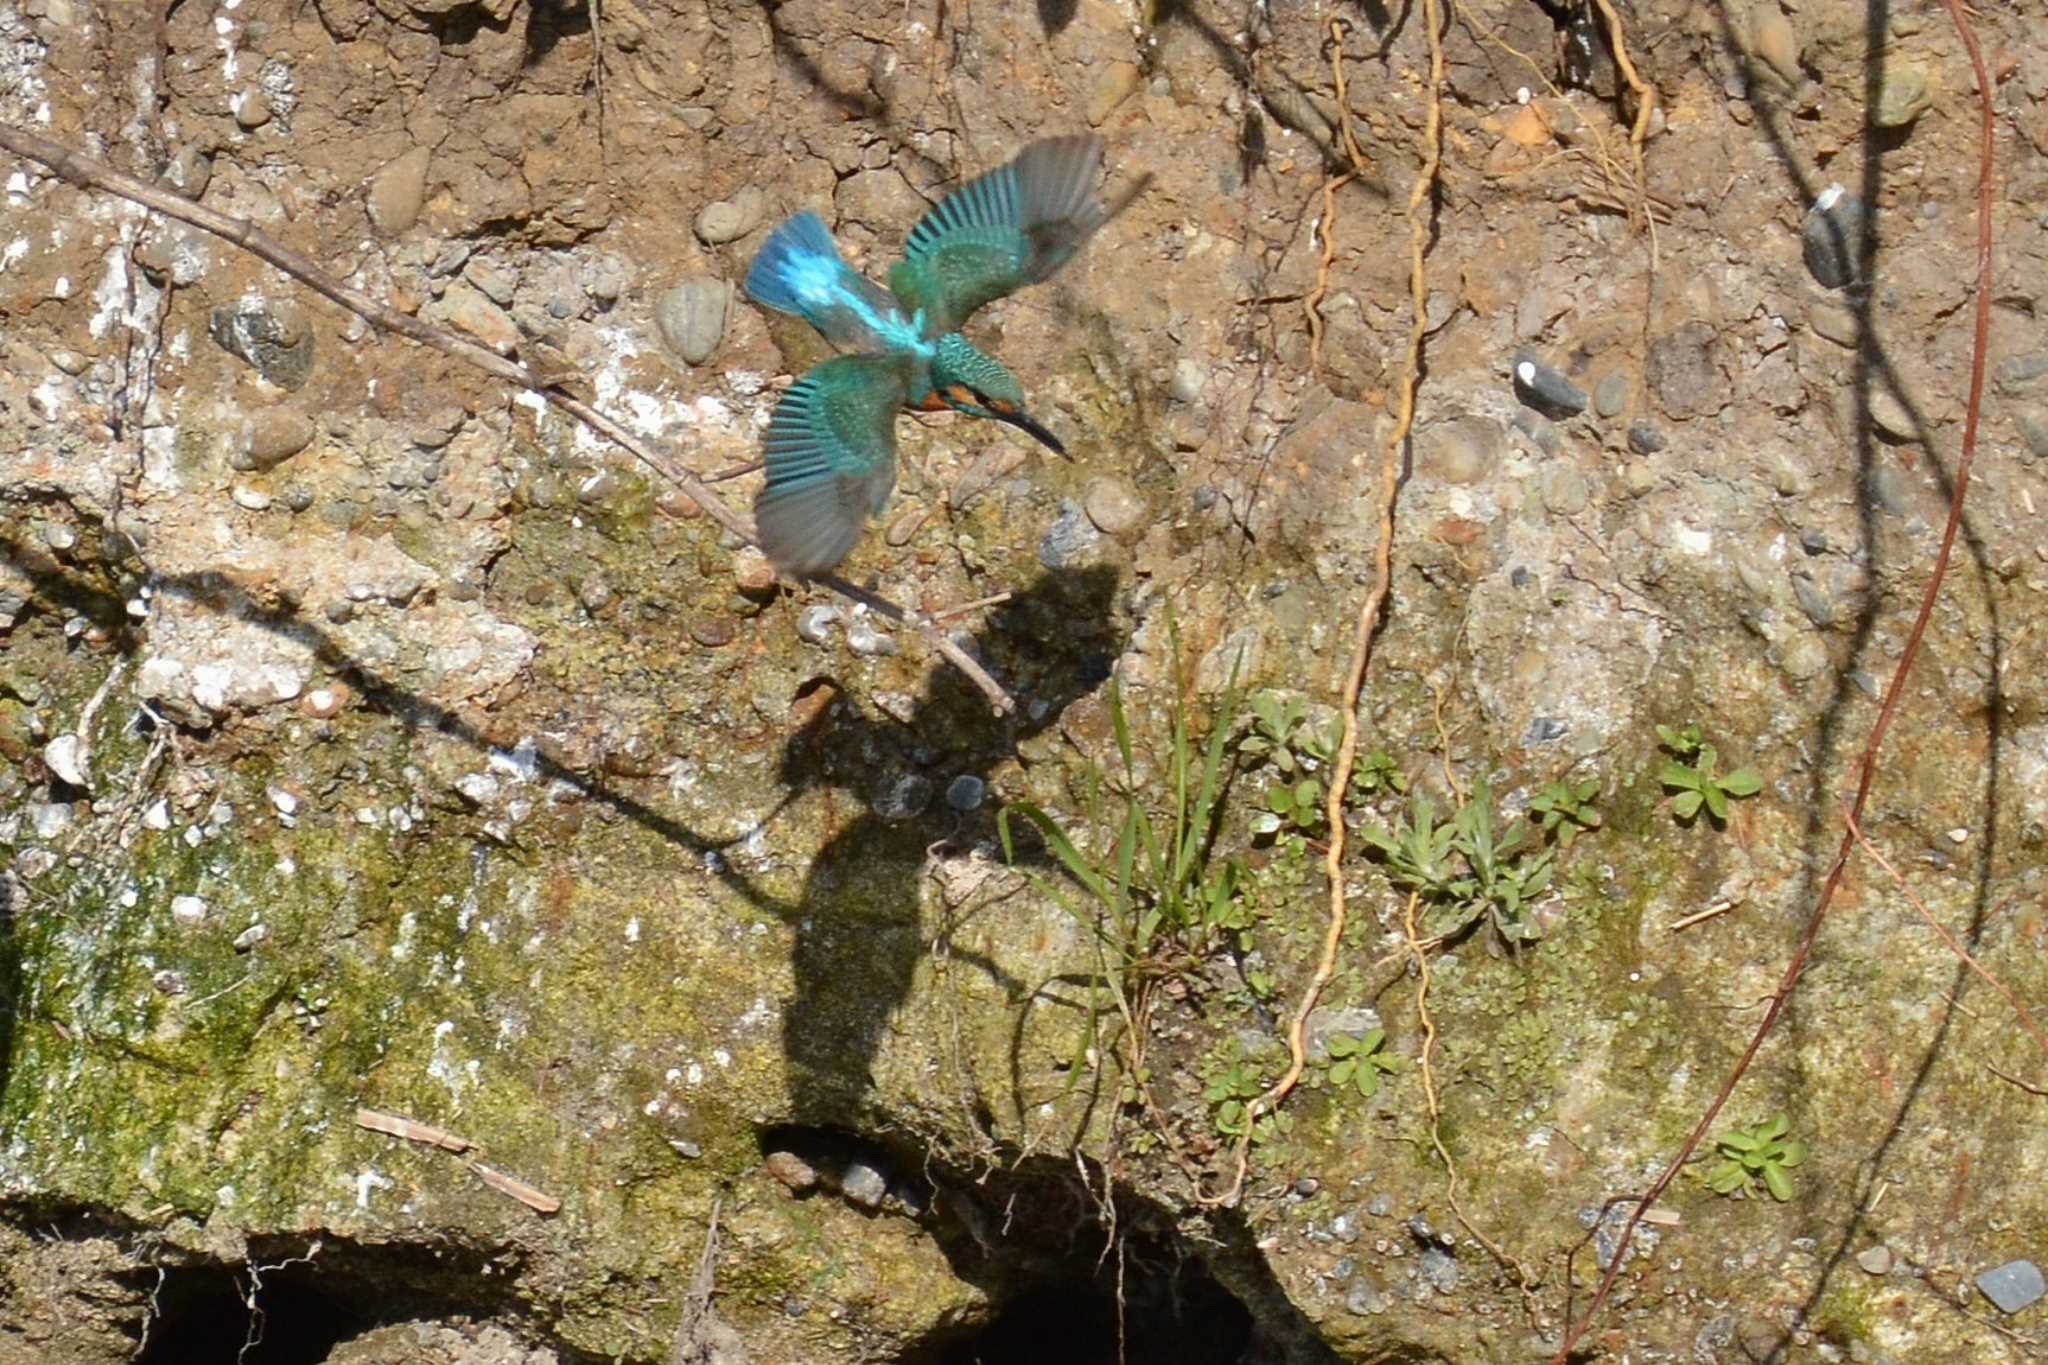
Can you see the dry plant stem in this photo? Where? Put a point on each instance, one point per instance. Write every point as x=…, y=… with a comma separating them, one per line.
x=1313, y=304
x=1867, y=762
x=1646, y=101
x=89, y=174
x=1428, y=1073
x=1369, y=611
x=2026, y=1016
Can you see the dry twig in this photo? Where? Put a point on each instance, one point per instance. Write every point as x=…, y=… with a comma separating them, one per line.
x=1866, y=763
x=1369, y=610
x=94, y=175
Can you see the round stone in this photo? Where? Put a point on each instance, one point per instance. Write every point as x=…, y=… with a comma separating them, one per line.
x=1114, y=506
x=692, y=316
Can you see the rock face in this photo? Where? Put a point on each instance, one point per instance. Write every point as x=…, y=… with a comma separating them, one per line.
x=455, y=894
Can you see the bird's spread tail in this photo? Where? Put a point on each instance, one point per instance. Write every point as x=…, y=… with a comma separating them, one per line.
x=797, y=266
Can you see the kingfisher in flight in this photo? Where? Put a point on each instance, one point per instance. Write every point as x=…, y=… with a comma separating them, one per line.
x=831, y=445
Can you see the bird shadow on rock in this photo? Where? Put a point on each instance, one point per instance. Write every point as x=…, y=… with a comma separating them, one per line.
x=858, y=923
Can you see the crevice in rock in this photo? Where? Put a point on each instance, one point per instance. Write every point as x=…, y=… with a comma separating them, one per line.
x=1076, y=1267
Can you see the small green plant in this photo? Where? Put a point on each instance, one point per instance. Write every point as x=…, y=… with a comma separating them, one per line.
x=1693, y=777
x=1465, y=867
x=1233, y=1084
x=1563, y=809
x=1299, y=751
x=1758, y=1152
x=1358, y=1062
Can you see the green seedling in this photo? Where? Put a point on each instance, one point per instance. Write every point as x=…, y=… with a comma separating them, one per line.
x=1299, y=753
x=1758, y=1152
x=1563, y=809
x=1465, y=867
x=1358, y=1062
x=1693, y=777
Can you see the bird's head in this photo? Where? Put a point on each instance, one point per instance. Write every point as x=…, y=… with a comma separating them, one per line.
x=967, y=380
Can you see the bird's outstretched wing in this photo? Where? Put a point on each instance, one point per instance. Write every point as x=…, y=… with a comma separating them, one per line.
x=1013, y=226
x=798, y=270
x=831, y=456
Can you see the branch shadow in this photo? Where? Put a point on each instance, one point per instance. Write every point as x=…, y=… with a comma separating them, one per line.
x=1874, y=371
x=862, y=103
x=859, y=927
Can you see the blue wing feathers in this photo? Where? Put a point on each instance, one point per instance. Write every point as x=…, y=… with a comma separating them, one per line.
x=831, y=456
x=797, y=266
x=799, y=270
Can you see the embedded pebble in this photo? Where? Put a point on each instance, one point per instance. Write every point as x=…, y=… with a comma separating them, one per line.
x=252, y=108
x=1381, y=1205
x=188, y=909
x=906, y=796
x=1610, y=395
x=1114, y=506
x=1905, y=93
x=1439, y=1269
x=1344, y=1228
x=726, y=220
x=792, y=1170
x=711, y=632
x=1365, y=1297
x=66, y=756
x=467, y=307
x=479, y=789
x=1117, y=83
x=189, y=172
x=1832, y=238
x=905, y=525
x=170, y=982
x=1546, y=389
x=605, y=276
x=1683, y=369
x=1834, y=323
x=2012, y=1286
x=863, y=638
x=814, y=624
x=863, y=1183
x=1877, y=1260
x=1804, y=657
x=324, y=702
x=2032, y=424
x=2016, y=373
x=1893, y=418
x=49, y=818
x=1565, y=491
x=692, y=317
x=966, y=792
x=250, y=937
x=1188, y=380
x=499, y=280
x=249, y=499
x=1464, y=450
x=1813, y=601
x=271, y=437
x=1070, y=537
x=594, y=593
x=275, y=338
x=1771, y=38
x=397, y=191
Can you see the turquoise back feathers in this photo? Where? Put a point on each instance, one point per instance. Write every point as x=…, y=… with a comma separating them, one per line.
x=831, y=445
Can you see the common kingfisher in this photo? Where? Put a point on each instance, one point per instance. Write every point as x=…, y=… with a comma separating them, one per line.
x=831, y=445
